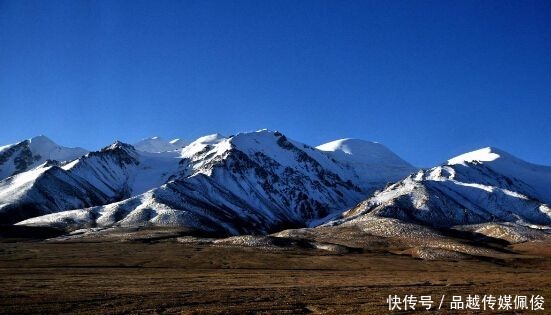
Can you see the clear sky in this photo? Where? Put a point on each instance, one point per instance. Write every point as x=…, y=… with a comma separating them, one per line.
x=429, y=79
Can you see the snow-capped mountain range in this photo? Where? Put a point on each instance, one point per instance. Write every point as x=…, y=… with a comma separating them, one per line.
x=486, y=185
x=260, y=182
x=248, y=183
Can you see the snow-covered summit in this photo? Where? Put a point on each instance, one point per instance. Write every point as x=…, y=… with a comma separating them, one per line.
x=49, y=150
x=363, y=151
x=373, y=166
x=157, y=144
x=27, y=154
x=210, y=139
x=373, y=162
x=178, y=143
x=501, y=162
x=202, y=143
x=485, y=185
x=118, y=145
x=487, y=154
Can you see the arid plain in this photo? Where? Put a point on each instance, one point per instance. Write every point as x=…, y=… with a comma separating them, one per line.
x=164, y=276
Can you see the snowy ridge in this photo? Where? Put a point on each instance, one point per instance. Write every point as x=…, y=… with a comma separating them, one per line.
x=121, y=171
x=367, y=152
x=373, y=162
x=487, y=154
x=486, y=185
x=158, y=145
x=538, y=177
x=27, y=154
x=114, y=173
x=45, y=189
x=178, y=143
x=253, y=182
x=262, y=182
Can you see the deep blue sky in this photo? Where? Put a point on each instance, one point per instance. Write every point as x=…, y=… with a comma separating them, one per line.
x=430, y=79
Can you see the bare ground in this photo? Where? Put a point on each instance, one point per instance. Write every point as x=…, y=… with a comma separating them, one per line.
x=167, y=277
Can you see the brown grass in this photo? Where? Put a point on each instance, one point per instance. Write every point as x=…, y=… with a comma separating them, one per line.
x=172, y=278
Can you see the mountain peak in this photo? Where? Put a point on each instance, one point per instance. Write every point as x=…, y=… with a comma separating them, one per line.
x=202, y=143
x=30, y=153
x=47, y=149
x=258, y=133
x=40, y=138
x=358, y=150
x=157, y=144
x=118, y=145
x=41, y=143
x=346, y=145
x=261, y=140
x=487, y=154
x=45, y=146
x=210, y=139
